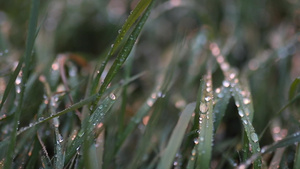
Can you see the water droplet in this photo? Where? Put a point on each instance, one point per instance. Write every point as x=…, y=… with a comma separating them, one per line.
x=207, y=98
x=112, y=45
x=245, y=122
x=149, y=102
x=247, y=111
x=232, y=75
x=18, y=80
x=246, y=101
x=225, y=83
x=60, y=138
x=196, y=141
x=237, y=104
x=112, y=96
x=119, y=31
x=254, y=137
x=203, y=108
x=41, y=118
x=241, y=113
x=193, y=152
x=218, y=90
x=201, y=138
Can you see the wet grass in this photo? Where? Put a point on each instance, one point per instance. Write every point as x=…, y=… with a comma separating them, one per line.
x=177, y=88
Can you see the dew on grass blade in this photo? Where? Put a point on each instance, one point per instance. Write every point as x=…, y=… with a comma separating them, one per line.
x=112, y=96
x=226, y=83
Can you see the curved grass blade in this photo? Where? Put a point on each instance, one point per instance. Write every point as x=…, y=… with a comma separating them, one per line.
x=204, y=141
x=245, y=111
x=223, y=96
x=27, y=58
x=287, y=141
x=125, y=51
x=176, y=137
x=134, y=15
x=94, y=120
x=11, y=82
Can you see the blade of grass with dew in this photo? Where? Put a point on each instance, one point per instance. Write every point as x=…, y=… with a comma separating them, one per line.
x=27, y=57
x=191, y=162
x=11, y=82
x=245, y=111
x=287, y=141
x=94, y=120
x=59, y=154
x=128, y=67
x=204, y=141
x=176, y=137
x=197, y=108
x=223, y=95
x=134, y=15
x=72, y=108
x=125, y=51
x=15, y=73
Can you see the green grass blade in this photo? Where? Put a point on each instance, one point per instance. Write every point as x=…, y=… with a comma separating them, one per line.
x=27, y=57
x=97, y=117
x=176, y=137
x=135, y=14
x=223, y=96
x=293, y=88
x=11, y=82
x=297, y=157
x=204, y=142
x=245, y=110
x=125, y=51
x=287, y=141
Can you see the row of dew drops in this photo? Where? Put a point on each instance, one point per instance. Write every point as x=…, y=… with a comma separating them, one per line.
x=231, y=81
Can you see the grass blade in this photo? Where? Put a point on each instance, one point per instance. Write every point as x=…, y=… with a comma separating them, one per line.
x=125, y=51
x=204, y=141
x=97, y=117
x=293, y=88
x=223, y=95
x=27, y=57
x=176, y=137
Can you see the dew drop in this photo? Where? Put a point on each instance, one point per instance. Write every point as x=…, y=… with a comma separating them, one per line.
x=225, y=83
x=201, y=138
x=232, y=76
x=193, y=152
x=241, y=113
x=203, y=108
x=218, y=90
x=254, y=137
x=149, y=102
x=246, y=101
x=112, y=96
x=112, y=45
x=41, y=118
x=245, y=122
x=237, y=104
x=196, y=141
x=208, y=98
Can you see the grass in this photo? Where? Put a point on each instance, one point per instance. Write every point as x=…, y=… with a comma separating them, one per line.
x=183, y=85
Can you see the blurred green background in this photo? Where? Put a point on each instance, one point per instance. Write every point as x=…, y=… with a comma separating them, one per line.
x=262, y=37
